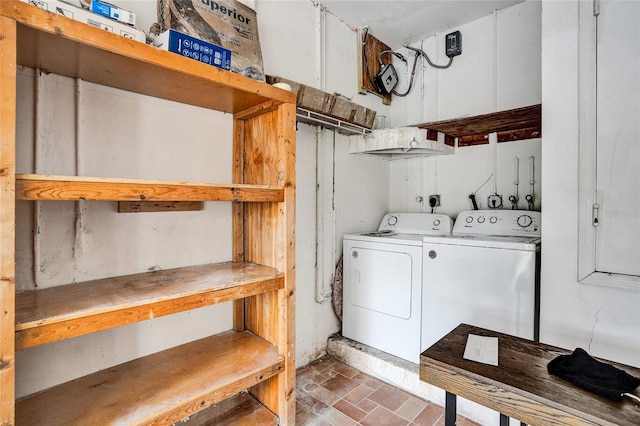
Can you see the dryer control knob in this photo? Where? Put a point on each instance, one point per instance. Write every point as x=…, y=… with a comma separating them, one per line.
x=525, y=220
x=436, y=222
x=392, y=220
x=432, y=254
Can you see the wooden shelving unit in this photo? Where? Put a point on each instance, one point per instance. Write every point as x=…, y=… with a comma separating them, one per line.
x=246, y=373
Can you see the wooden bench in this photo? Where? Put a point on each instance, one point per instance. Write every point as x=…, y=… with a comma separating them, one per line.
x=520, y=386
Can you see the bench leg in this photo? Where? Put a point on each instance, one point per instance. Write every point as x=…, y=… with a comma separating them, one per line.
x=450, y=409
x=504, y=420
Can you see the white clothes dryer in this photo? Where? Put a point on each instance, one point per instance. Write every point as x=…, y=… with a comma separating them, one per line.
x=486, y=273
x=382, y=282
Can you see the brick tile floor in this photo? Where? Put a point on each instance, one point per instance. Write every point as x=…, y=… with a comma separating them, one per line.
x=331, y=393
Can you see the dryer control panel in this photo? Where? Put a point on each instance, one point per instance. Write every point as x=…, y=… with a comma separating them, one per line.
x=416, y=223
x=510, y=223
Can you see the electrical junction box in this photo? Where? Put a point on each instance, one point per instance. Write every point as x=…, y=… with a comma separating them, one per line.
x=454, y=44
x=386, y=79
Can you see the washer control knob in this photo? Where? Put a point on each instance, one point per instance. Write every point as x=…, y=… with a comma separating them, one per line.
x=469, y=219
x=481, y=219
x=432, y=254
x=493, y=219
x=392, y=220
x=524, y=220
x=436, y=222
x=354, y=254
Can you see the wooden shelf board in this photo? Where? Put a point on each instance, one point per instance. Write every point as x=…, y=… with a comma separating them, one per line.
x=56, y=44
x=161, y=388
x=513, y=124
x=52, y=314
x=239, y=410
x=74, y=188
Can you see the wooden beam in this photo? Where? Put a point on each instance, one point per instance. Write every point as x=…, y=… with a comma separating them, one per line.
x=369, y=65
x=75, y=188
x=7, y=217
x=158, y=206
x=510, y=125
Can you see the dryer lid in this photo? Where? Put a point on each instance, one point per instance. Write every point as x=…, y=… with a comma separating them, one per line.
x=416, y=223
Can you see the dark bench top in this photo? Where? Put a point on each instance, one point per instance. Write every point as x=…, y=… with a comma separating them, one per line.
x=520, y=386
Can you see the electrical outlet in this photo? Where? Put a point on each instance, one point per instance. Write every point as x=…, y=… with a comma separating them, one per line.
x=434, y=200
x=495, y=201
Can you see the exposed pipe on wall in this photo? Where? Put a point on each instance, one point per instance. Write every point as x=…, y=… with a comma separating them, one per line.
x=325, y=180
x=495, y=60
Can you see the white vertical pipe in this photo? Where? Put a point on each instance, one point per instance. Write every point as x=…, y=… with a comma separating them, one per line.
x=532, y=178
x=495, y=59
x=423, y=70
x=516, y=179
x=319, y=286
x=493, y=141
x=325, y=176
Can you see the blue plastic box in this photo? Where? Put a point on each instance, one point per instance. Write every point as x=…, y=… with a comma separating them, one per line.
x=194, y=48
x=113, y=12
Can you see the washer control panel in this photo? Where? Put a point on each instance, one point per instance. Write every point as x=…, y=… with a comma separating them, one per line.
x=498, y=222
x=416, y=223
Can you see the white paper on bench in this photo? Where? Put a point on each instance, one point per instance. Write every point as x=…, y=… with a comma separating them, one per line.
x=481, y=349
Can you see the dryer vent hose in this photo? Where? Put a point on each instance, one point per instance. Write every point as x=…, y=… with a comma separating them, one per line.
x=337, y=290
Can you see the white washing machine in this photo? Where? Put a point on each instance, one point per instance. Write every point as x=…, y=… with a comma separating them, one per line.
x=486, y=273
x=382, y=282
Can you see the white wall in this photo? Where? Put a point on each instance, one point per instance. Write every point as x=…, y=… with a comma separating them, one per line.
x=499, y=69
x=604, y=321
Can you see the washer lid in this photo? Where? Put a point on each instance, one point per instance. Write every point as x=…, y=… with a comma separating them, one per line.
x=386, y=237
x=487, y=241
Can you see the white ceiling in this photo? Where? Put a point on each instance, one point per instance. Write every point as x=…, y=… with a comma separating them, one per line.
x=406, y=21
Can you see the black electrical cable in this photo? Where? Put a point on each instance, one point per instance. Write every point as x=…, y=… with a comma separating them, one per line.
x=419, y=52
x=413, y=73
x=472, y=196
x=424, y=54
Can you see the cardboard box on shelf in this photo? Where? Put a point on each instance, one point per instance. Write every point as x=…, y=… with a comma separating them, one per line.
x=191, y=47
x=316, y=100
x=225, y=23
x=82, y=15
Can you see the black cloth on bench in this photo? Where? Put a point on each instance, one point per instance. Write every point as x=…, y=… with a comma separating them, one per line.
x=603, y=379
